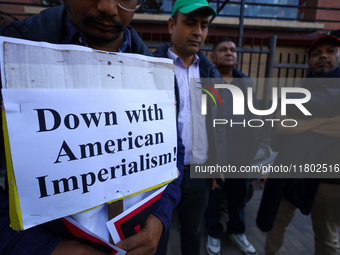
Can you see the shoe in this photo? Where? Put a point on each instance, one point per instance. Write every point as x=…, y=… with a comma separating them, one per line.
x=242, y=242
x=213, y=245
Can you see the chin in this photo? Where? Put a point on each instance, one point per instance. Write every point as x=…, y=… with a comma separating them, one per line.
x=324, y=71
x=102, y=37
x=228, y=64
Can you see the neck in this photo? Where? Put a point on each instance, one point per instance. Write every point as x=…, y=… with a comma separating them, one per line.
x=226, y=72
x=112, y=46
x=187, y=60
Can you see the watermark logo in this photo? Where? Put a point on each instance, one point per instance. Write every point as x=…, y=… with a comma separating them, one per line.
x=239, y=104
x=204, y=97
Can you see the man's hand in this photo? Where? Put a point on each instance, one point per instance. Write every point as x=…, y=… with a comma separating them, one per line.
x=331, y=128
x=215, y=185
x=326, y=126
x=73, y=247
x=146, y=240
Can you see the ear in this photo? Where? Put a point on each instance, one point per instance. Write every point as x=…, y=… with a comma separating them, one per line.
x=308, y=62
x=212, y=57
x=171, y=24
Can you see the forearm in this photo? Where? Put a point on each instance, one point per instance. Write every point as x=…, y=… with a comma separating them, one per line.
x=329, y=130
x=302, y=126
x=324, y=103
x=73, y=247
x=325, y=126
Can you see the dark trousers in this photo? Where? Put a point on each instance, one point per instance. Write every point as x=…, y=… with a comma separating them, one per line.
x=194, y=201
x=191, y=208
x=236, y=192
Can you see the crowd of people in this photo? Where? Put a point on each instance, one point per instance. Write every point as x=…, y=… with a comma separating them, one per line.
x=104, y=25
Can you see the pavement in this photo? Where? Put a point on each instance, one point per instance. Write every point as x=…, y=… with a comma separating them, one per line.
x=299, y=239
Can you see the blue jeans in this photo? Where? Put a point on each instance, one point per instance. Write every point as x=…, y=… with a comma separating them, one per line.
x=236, y=192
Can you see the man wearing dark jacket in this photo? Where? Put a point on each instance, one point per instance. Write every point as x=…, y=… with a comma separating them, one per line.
x=242, y=144
x=101, y=25
x=305, y=146
x=188, y=27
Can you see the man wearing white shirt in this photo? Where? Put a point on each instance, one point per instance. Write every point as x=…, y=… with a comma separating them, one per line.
x=188, y=27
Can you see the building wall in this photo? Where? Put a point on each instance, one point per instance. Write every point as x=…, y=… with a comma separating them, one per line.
x=15, y=9
x=329, y=15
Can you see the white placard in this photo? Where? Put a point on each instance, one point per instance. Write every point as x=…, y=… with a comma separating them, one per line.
x=85, y=127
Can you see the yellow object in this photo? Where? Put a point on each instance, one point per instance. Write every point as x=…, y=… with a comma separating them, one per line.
x=14, y=205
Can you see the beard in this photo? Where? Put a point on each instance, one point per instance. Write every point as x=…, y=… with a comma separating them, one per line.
x=324, y=71
x=117, y=29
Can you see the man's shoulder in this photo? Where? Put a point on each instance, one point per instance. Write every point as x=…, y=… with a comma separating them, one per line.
x=45, y=26
x=137, y=44
x=238, y=74
x=162, y=50
x=207, y=68
x=204, y=61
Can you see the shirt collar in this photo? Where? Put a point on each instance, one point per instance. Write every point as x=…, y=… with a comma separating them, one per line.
x=126, y=46
x=73, y=36
x=177, y=60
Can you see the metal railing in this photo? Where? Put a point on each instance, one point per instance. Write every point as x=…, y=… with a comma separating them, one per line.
x=220, y=6
x=224, y=4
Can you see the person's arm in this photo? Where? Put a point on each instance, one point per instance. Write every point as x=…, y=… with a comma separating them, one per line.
x=324, y=103
x=331, y=128
x=73, y=247
x=303, y=125
x=146, y=241
x=326, y=126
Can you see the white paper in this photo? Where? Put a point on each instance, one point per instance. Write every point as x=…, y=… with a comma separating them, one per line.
x=71, y=82
x=75, y=223
x=111, y=224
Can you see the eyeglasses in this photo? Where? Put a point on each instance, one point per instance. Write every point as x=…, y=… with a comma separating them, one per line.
x=130, y=5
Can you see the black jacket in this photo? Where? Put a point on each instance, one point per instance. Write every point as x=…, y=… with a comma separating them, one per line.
x=300, y=149
x=224, y=140
x=216, y=137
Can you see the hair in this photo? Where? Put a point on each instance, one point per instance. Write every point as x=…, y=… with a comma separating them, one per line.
x=200, y=10
x=175, y=17
x=224, y=39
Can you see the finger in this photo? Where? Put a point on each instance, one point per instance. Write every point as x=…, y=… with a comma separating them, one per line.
x=214, y=184
x=145, y=241
x=131, y=242
x=222, y=177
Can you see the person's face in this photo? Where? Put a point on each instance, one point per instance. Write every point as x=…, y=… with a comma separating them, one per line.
x=188, y=32
x=324, y=59
x=224, y=55
x=101, y=21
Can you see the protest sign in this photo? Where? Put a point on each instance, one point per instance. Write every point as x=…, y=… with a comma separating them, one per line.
x=83, y=127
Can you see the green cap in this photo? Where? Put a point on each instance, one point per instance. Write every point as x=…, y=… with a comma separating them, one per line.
x=187, y=6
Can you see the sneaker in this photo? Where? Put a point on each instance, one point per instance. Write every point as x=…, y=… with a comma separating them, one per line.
x=242, y=242
x=213, y=245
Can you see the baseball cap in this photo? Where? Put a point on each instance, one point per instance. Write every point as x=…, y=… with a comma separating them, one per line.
x=325, y=38
x=187, y=6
